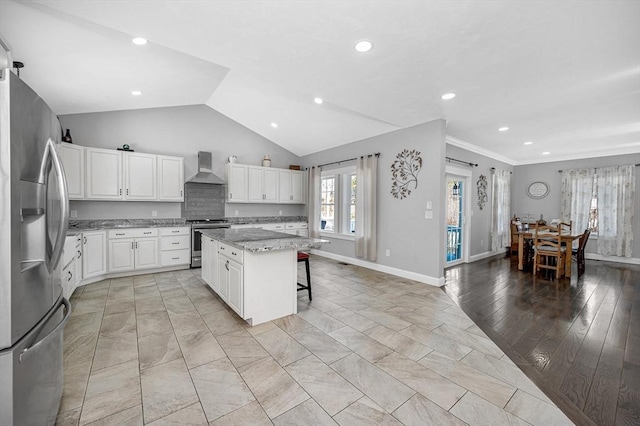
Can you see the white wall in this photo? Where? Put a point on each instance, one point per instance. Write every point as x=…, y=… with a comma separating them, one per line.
x=550, y=205
x=180, y=131
x=416, y=244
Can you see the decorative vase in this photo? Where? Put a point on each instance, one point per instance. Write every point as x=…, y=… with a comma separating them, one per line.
x=266, y=161
x=67, y=137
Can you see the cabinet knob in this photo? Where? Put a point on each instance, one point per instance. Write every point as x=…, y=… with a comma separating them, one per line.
x=85, y=240
x=79, y=254
x=70, y=275
x=175, y=244
x=226, y=265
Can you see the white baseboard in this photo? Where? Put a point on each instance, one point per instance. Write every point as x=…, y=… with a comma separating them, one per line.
x=437, y=282
x=619, y=259
x=486, y=254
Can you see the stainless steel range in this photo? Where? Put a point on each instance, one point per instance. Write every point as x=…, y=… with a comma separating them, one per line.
x=196, y=243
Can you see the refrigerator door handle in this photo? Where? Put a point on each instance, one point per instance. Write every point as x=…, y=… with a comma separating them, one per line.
x=56, y=253
x=42, y=342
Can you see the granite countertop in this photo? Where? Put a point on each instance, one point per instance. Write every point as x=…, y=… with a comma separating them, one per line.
x=77, y=226
x=235, y=220
x=259, y=240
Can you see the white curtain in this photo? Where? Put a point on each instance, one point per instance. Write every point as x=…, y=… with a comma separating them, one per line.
x=616, y=198
x=313, y=203
x=366, y=207
x=576, y=194
x=500, y=203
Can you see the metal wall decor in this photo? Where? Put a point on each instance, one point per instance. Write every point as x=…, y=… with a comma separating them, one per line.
x=404, y=172
x=482, y=191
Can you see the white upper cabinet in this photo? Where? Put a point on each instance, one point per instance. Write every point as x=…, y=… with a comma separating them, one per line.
x=291, y=183
x=104, y=174
x=263, y=185
x=237, y=180
x=140, y=176
x=255, y=184
x=297, y=187
x=107, y=174
x=73, y=162
x=170, y=178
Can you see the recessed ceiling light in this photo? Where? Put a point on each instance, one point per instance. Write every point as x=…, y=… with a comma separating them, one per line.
x=546, y=153
x=319, y=101
x=448, y=96
x=274, y=125
x=528, y=143
x=364, y=46
x=140, y=41
x=136, y=93
x=503, y=129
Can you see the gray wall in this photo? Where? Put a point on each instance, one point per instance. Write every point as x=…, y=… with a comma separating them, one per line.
x=416, y=243
x=180, y=131
x=550, y=205
x=480, y=240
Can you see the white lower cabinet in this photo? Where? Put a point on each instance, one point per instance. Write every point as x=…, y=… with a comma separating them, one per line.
x=210, y=269
x=231, y=283
x=94, y=254
x=236, y=284
x=133, y=249
x=71, y=273
x=260, y=286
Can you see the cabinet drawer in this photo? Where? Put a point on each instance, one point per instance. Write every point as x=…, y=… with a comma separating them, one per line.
x=176, y=257
x=177, y=242
x=231, y=252
x=297, y=225
x=175, y=231
x=132, y=233
x=278, y=227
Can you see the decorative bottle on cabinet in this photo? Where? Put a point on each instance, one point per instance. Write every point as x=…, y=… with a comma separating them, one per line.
x=67, y=137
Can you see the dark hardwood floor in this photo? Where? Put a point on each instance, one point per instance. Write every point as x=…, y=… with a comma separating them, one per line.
x=579, y=341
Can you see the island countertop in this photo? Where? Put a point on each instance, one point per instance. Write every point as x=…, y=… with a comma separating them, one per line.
x=256, y=240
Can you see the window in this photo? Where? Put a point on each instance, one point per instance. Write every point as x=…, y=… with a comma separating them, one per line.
x=327, y=204
x=338, y=201
x=593, y=215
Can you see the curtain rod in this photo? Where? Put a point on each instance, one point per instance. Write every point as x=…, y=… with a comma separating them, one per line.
x=636, y=165
x=377, y=154
x=493, y=168
x=462, y=162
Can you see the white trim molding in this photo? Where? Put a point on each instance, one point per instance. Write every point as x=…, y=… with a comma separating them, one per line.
x=618, y=259
x=486, y=254
x=426, y=279
x=474, y=148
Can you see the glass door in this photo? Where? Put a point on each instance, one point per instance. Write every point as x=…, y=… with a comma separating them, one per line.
x=455, y=219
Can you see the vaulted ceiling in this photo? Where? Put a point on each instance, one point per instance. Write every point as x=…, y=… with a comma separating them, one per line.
x=564, y=75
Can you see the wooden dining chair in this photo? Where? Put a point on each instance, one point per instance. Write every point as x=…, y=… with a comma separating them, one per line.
x=514, y=238
x=578, y=254
x=549, y=253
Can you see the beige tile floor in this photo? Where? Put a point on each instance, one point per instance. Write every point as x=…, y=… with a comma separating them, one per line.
x=371, y=348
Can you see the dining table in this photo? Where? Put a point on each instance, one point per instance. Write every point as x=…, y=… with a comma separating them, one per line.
x=566, y=237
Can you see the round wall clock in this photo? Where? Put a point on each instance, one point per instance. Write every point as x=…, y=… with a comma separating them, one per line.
x=538, y=190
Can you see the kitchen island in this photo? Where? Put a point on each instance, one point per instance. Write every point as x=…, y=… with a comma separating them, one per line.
x=254, y=271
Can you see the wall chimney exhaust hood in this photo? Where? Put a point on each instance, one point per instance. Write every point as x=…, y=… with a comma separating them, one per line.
x=205, y=173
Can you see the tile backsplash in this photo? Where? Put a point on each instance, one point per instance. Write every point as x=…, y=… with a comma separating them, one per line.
x=203, y=201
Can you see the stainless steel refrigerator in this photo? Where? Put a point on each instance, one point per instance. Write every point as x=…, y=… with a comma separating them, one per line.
x=33, y=224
